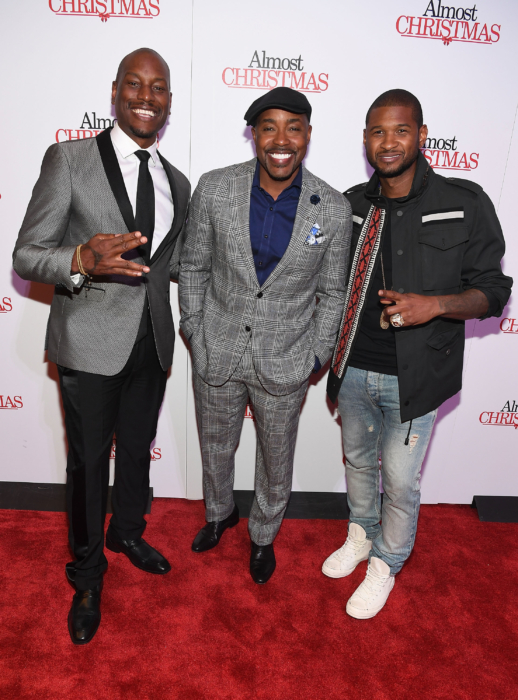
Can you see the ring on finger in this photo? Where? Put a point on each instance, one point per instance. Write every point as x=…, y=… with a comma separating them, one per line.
x=397, y=320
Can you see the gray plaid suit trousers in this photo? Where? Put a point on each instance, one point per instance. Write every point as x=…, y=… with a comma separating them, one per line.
x=220, y=411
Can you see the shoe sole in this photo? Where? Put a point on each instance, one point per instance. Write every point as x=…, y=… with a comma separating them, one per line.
x=207, y=549
x=114, y=548
x=361, y=614
x=332, y=573
x=364, y=614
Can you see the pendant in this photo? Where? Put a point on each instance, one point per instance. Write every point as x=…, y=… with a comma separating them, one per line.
x=383, y=323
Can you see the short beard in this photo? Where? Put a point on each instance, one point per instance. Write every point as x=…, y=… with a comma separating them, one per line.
x=280, y=178
x=403, y=167
x=142, y=134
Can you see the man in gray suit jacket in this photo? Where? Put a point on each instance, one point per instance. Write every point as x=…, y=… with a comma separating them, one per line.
x=110, y=329
x=265, y=239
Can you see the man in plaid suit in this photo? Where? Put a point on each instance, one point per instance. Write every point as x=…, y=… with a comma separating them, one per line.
x=265, y=239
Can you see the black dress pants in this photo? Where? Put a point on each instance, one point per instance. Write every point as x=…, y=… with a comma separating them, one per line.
x=96, y=406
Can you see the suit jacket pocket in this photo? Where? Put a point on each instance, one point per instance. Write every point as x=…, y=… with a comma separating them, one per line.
x=87, y=294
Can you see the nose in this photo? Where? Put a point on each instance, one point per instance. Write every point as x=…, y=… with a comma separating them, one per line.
x=389, y=141
x=145, y=93
x=281, y=137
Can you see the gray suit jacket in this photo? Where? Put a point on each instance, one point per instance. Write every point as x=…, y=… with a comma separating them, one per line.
x=81, y=192
x=224, y=307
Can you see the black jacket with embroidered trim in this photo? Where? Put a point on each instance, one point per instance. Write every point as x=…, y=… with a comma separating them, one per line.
x=445, y=240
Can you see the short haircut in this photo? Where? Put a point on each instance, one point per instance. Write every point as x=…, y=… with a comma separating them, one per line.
x=134, y=53
x=398, y=98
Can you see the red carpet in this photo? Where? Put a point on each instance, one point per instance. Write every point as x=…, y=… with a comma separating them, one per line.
x=206, y=631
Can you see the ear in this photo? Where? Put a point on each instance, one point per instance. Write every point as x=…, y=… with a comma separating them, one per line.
x=170, y=101
x=365, y=137
x=423, y=135
x=310, y=129
x=114, y=91
x=253, y=134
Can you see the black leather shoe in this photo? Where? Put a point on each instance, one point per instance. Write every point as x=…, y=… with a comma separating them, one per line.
x=140, y=553
x=85, y=615
x=262, y=562
x=209, y=536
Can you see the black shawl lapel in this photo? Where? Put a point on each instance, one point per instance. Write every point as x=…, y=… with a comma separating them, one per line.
x=176, y=214
x=114, y=175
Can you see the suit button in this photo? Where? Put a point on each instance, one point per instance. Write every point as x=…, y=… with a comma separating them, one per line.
x=260, y=295
x=400, y=252
x=247, y=329
x=401, y=290
x=400, y=213
x=405, y=366
x=407, y=403
x=448, y=351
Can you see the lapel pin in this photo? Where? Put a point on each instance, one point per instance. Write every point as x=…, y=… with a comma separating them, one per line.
x=314, y=199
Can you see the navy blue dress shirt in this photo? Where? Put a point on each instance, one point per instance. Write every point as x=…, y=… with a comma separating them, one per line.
x=271, y=224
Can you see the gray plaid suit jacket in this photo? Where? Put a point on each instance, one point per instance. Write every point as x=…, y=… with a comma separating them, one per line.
x=81, y=192
x=224, y=307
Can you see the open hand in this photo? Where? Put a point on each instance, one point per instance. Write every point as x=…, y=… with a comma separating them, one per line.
x=414, y=308
x=102, y=255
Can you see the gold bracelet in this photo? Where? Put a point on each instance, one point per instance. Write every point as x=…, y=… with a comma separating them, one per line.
x=80, y=267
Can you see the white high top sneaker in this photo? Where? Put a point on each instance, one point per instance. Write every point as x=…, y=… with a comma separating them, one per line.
x=371, y=595
x=345, y=560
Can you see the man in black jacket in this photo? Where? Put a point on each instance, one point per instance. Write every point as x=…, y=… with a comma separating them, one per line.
x=427, y=258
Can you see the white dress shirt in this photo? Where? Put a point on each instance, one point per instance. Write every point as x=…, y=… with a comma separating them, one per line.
x=129, y=164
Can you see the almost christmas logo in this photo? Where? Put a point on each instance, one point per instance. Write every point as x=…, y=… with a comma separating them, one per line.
x=507, y=417
x=12, y=403
x=106, y=9
x=449, y=23
x=91, y=125
x=6, y=305
x=155, y=453
x=445, y=154
x=264, y=72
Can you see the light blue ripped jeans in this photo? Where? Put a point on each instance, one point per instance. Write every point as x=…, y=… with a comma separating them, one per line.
x=368, y=404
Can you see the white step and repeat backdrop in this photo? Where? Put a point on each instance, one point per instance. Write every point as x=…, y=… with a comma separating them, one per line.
x=59, y=58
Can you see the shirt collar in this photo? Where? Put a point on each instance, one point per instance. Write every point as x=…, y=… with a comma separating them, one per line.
x=127, y=147
x=297, y=182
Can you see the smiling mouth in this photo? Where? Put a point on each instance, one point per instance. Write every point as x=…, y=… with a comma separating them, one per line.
x=144, y=113
x=389, y=157
x=280, y=157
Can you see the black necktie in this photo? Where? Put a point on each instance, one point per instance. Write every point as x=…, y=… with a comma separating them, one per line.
x=145, y=209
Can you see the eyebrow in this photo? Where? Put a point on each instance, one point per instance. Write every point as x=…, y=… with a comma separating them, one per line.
x=380, y=126
x=273, y=121
x=130, y=72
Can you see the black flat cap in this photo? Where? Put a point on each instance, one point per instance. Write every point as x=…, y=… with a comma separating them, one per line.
x=279, y=98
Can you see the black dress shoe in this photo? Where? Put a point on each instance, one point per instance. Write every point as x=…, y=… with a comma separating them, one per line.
x=140, y=553
x=85, y=615
x=209, y=536
x=262, y=562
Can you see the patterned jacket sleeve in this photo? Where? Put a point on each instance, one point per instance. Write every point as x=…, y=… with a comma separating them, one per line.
x=332, y=282
x=39, y=255
x=195, y=261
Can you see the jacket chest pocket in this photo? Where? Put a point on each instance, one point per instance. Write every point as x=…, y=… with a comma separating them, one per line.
x=442, y=251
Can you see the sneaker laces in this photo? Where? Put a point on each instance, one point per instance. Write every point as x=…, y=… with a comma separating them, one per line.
x=372, y=584
x=351, y=547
